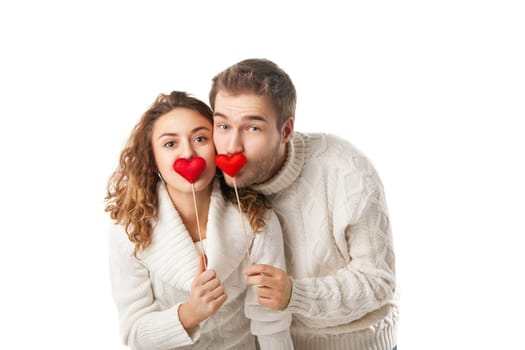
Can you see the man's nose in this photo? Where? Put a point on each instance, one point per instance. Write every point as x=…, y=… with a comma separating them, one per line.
x=235, y=143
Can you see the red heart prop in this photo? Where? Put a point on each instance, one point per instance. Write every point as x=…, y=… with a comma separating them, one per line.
x=190, y=169
x=230, y=165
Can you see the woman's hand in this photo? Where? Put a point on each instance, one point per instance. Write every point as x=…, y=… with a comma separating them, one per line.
x=206, y=297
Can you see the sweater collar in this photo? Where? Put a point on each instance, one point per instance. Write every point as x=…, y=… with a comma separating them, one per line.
x=292, y=167
x=172, y=255
x=226, y=244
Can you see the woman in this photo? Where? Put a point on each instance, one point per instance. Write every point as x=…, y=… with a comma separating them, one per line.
x=165, y=296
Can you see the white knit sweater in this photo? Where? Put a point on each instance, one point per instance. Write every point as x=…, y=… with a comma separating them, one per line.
x=338, y=246
x=148, y=291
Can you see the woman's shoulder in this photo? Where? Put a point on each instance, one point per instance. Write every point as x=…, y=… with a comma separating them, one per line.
x=267, y=245
x=118, y=241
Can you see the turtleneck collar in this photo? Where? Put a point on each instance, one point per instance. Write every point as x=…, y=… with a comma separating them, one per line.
x=295, y=156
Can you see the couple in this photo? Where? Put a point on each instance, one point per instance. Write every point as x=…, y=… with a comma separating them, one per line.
x=319, y=272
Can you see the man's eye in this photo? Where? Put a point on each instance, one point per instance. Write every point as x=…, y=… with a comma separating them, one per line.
x=254, y=128
x=222, y=126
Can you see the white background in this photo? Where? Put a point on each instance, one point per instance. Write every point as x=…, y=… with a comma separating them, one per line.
x=433, y=92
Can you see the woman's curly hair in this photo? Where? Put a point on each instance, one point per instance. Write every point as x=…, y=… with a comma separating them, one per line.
x=131, y=198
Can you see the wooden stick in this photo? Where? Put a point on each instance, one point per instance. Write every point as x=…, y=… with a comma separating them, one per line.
x=199, y=225
x=242, y=222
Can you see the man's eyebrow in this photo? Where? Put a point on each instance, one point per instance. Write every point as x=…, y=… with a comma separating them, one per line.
x=256, y=117
x=246, y=117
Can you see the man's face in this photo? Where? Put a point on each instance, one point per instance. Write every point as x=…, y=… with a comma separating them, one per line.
x=247, y=123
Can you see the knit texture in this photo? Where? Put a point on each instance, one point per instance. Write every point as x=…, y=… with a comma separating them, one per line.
x=338, y=244
x=149, y=290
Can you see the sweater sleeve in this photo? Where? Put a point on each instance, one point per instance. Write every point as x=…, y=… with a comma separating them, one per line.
x=366, y=280
x=142, y=323
x=272, y=328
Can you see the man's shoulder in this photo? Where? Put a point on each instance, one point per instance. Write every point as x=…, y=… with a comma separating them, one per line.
x=335, y=156
x=327, y=146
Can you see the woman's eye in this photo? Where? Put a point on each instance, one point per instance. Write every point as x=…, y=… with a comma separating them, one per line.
x=200, y=139
x=169, y=144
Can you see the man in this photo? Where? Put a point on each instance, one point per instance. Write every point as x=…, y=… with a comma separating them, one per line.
x=341, y=284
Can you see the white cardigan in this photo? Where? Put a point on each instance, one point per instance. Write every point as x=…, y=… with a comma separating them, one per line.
x=148, y=291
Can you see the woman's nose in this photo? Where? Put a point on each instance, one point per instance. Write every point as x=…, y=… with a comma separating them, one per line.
x=188, y=151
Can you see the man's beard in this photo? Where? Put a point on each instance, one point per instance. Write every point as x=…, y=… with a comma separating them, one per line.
x=258, y=172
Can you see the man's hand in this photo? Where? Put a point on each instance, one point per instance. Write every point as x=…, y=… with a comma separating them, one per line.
x=274, y=288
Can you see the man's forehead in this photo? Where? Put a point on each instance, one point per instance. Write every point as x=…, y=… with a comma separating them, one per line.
x=244, y=106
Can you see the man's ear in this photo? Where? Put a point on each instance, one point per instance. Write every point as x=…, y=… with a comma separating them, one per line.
x=287, y=130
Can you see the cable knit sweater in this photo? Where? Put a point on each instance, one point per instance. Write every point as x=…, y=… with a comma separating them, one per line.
x=148, y=291
x=338, y=246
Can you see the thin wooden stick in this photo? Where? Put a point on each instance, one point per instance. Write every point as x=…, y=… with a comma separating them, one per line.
x=242, y=222
x=199, y=225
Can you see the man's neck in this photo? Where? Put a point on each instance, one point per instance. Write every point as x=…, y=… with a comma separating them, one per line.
x=281, y=159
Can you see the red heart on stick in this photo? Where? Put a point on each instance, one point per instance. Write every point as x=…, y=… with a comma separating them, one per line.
x=190, y=169
x=230, y=165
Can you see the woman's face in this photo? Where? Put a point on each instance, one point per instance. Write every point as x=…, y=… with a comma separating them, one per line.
x=183, y=133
